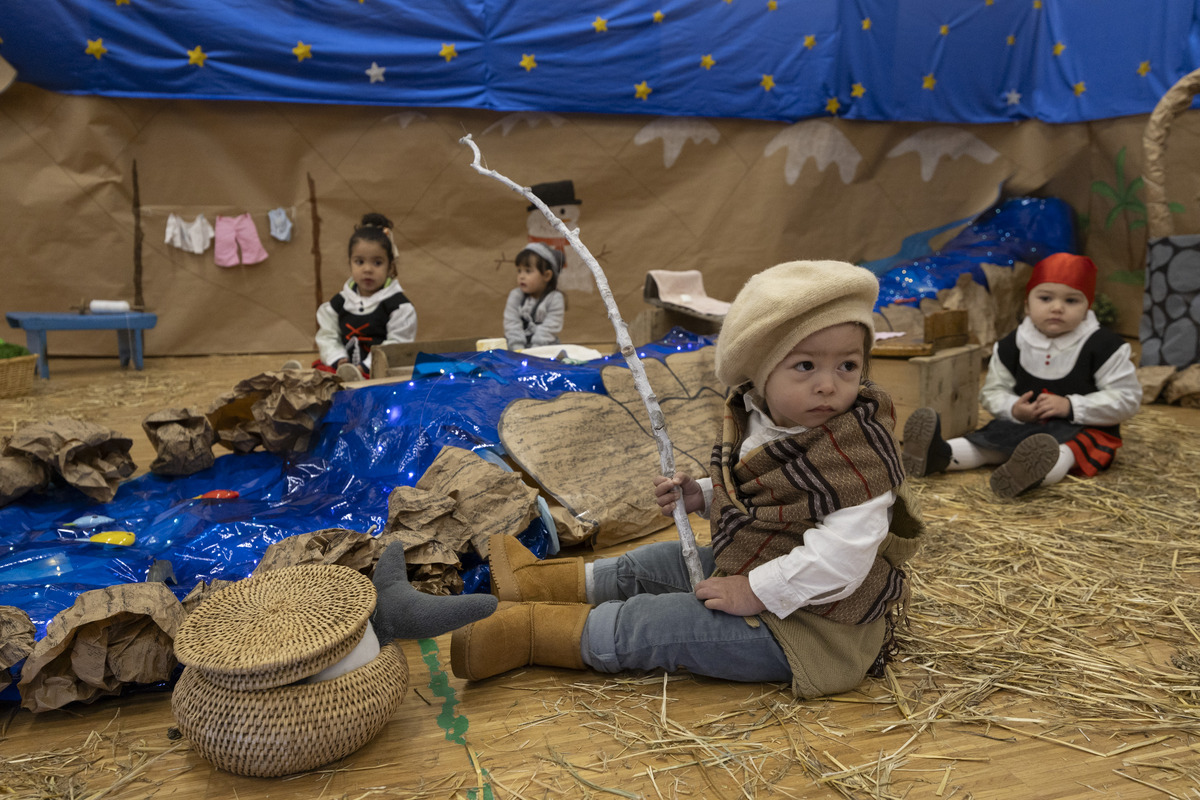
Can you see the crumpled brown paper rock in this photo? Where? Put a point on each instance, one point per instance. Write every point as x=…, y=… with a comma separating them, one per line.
x=183, y=439
x=90, y=457
x=110, y=637
x=457, y=504
x=202, y=591
x=16, y=641
x=1153, y=379
x=340, y=546
x=18, y=475
x=277, y=410
x=1184, y=387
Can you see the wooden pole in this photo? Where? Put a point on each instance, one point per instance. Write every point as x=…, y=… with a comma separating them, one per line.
x=138, y=235
x=658, y=424
x=316, y=241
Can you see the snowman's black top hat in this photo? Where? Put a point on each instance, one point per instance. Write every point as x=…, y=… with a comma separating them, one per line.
x=555, y=193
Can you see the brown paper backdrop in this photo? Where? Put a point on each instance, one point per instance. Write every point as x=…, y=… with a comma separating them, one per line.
x=728, y=197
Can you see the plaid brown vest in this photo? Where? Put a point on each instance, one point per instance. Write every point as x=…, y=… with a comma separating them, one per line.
x=783, y=488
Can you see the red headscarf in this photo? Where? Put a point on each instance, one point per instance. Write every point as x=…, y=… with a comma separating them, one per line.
x=1078, y=272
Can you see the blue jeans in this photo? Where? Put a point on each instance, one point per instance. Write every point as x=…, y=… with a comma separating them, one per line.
x=647, y=617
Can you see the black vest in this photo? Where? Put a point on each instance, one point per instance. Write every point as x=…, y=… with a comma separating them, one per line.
x=369, y=329
x=1098, y=349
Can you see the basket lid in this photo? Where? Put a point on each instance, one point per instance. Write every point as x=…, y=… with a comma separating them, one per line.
x=275, y=628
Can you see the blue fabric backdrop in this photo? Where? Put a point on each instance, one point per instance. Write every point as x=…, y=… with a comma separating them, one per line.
x=924, y=60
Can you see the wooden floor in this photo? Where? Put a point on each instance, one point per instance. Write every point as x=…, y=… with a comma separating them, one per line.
x=545, y=733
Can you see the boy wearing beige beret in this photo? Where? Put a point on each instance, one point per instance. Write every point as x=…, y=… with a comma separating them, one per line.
x=811, y=520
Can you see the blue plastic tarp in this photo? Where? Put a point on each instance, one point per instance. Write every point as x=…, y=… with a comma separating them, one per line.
x=1025, y=229
x=371, y=440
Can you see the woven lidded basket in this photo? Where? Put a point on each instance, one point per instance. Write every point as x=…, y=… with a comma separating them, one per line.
x=287, y=729
x=16, y=375
x=275, y=628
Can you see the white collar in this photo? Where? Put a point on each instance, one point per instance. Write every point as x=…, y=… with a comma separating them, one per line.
x=1030, y=336
x=764, y=419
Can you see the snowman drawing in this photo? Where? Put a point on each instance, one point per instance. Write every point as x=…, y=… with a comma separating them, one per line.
x=560, y=197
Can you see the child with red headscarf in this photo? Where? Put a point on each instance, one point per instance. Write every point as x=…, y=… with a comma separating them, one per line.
x=1058, y=388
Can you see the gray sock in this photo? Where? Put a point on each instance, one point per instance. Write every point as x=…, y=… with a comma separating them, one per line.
x=403, y=612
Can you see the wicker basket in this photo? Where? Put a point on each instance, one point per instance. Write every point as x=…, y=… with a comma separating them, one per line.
x=287, y=729
x=278, y=627
x=245, y=648
x=16, y=375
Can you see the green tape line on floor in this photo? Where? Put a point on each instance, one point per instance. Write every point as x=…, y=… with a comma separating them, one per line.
x=448, y=719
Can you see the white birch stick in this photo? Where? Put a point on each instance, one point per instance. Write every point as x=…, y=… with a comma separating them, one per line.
x=658, y=424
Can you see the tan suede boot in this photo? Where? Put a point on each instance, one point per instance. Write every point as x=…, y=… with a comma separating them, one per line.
x=518, y=635
x=518, y=575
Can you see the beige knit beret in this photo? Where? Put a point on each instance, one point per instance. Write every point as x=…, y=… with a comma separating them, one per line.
x=783, y=305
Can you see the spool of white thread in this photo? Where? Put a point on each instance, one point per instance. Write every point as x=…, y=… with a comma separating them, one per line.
x=109, y=306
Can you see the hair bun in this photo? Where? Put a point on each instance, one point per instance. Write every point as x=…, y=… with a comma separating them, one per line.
x=373, y=220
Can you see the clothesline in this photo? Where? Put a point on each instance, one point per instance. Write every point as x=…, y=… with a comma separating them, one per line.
x=202, y=208
x=236, y=236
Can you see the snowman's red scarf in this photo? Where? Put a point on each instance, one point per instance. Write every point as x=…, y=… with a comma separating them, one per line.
x=784, y=487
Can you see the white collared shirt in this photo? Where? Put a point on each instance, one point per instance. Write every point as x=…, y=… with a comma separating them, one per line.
x=837, y=552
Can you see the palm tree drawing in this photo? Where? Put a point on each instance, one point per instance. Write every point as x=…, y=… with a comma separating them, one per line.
x=1125, y=200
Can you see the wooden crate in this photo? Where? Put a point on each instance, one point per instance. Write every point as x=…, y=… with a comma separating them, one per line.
x=396, y=359
x=947, y=381
x=654, y=323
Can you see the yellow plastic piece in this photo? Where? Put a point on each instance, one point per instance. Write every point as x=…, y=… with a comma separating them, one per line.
x=114, y=537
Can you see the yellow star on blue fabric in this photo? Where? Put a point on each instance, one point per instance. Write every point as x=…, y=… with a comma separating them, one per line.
x=1058, y=48
x=767, y=82
x=96, y=48
x=1143, y=68
x=832, y=105
x=866, y=24
x=810, y=41
x=302, y=51
x=707, y=62
x=600, y=24
x=659, y=16
x=196, y=56
x=858, y=90
x=1079, y=88
x=642, y=90
x=928, y=82
x=528, y=61
x=944, y=30
x=448, y=52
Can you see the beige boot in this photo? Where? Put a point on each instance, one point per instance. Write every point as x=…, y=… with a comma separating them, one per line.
x=519, y=575
x=518, y=635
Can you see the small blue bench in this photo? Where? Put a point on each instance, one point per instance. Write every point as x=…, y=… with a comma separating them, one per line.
x=129, y=327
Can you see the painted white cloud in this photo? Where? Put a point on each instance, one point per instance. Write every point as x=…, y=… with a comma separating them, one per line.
x=675, y=133
x=405, y=118
x=820, y=141
x=531, y=118
x=933, y=143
